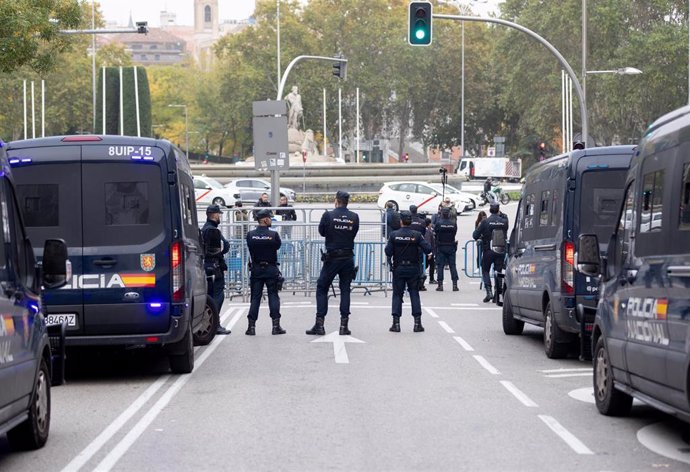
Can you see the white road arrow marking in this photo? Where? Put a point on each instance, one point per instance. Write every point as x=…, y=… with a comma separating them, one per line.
x=338, y=341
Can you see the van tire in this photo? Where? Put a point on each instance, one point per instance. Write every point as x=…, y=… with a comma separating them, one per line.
x=511, y=326
x=553, y=347
x=218, y=201
x=609, y=400
x=183, y=363
x=209, y=324
x=33, y=433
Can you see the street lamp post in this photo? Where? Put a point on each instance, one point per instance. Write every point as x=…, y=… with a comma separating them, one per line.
x=619, y=71
x=186, y=126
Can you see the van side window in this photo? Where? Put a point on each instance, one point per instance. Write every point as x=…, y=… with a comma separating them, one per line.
x=556, y=207
x=652, y=196
x=17, y=235
x=545, y=213
x=684, y=222
x=188, y=215
x=626, y=224
x=4, y=236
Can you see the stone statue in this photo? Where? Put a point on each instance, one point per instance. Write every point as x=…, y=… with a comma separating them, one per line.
x=295, y=112
x=309, y=144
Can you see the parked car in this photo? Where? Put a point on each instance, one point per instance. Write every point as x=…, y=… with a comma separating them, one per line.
x=641, y=332
x=472, y=198
x=126, y=206
x=208, y=190
x=27, y=365
x=577, y=192
x=423, y=195
x=251, y=189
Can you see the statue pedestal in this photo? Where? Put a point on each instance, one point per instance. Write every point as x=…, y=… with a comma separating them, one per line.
x=295, y=140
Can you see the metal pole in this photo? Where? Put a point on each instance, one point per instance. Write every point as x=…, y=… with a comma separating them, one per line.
x=278, y=36
x=324, y=123
x=570, y=111
x=357, y=152
x=26, y=122
x=43, y=108
x=688, y=52
x=136, y=100
x=283, y=80
x=103, y=101
x=563, y=133
x=122, y=107
x=462, y=94
x=549, y=46
x=33, y=111
x=340, y=124
x=93, y=61
x=186, y=131
x=584, y=59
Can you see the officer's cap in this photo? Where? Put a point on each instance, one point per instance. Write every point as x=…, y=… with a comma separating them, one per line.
x=405, y=216
x=494, y=206
x=342, y=195
x=413, y=208
x=213, y=209
x=264, y=214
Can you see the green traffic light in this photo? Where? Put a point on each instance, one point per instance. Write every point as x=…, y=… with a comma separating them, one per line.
x=420, y=34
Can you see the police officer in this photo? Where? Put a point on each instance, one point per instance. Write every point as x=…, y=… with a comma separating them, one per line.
x=339, y=227
x=446, y=248
x=419, y=224
x=492, y=232
x=403, y=247
x=263, y=244
x=215, y=264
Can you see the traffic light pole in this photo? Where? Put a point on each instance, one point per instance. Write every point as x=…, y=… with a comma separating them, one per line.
x=549, y=46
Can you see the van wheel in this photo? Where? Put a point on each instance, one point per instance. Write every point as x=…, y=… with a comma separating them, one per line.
x=209, y=324
x=552, y=335
x=183, y=363
x=610, y=402
x=395, y=205
x=218, y=201
x=33, y=433
x=510, y=324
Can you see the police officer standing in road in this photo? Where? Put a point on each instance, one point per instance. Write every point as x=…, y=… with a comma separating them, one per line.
x=339, y=227
x=492, y=231
x=446, y=248
x=418, y=223
x=263, y=244
x=403, y=247
x=215, y=265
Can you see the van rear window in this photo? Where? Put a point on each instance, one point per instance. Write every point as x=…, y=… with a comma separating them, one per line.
x=126, y=203
x=600, y=202
x=40, y=204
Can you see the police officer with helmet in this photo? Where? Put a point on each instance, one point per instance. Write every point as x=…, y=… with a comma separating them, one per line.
x=339, y=227
x=214, y=264
x=263, y=244
x=492, y=232
x=446, y=248
x=419, y=224
x=403, y=250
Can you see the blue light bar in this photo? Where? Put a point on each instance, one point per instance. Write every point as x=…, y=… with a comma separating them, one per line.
x=148, y=158
x=26, y=160
x=14, y=161
x=136, y=157
x=155, y=305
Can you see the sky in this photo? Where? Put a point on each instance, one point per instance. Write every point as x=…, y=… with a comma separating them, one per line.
x=149, y=10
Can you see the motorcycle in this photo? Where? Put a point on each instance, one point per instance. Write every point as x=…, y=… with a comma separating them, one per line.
x=497, y=195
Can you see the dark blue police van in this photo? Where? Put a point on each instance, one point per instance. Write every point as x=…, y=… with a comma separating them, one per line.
x=577, y=192
x=27, y=364
x=642, y=328
x=126, y=208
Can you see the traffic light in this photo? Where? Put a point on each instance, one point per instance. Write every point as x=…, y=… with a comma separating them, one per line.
x=340, y=69
x=419, y=24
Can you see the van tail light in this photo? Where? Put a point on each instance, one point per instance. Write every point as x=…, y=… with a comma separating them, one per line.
x=568, y=268
x=177, y=266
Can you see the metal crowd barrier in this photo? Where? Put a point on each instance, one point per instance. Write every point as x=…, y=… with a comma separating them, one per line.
x=300, y=254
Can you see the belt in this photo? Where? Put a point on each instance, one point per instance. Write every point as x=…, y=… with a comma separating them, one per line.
x=406, y=263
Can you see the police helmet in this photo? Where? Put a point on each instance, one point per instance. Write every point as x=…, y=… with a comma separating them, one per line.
x=413, y=209
x=406, y=217
x=494, y=207
x=264, y=214
x=211, y=209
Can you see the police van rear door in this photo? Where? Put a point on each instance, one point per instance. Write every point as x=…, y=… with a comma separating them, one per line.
x=126, y=239
x=48, y=184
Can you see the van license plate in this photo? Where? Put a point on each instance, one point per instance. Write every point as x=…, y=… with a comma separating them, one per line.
x=69, y=318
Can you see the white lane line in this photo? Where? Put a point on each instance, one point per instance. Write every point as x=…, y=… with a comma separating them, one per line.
x=359, y=303
x=123, y=446
x=464, y=304
x=558, y=371
x=568, y=437
x=560, y=376
x=463, y=343
x=431, y=312
x=519, y=394
x=484, y=363
x=447, y=328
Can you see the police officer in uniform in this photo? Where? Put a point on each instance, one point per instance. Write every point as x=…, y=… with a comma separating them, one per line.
x=446, y=248
x=339, y=227
x=403, y=247
x=263, y=244
x=419, y=224
x=493, y=246
x=215, y=264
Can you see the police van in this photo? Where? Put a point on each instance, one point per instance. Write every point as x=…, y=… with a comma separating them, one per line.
x=577, y=192
x=126, y=208
x=28, y=367
x=642, y=328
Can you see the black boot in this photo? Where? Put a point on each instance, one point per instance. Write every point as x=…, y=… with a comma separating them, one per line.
x=317, y=329
x=418, y=328
x=455, y=286
x=440, y=287
x=343, y=326
x=251, y=331
x=395, y=328
x=489, y=295
x=276, y=327
x=220, y=330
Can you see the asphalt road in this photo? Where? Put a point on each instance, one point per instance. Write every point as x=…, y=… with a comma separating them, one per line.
x=460, y=396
